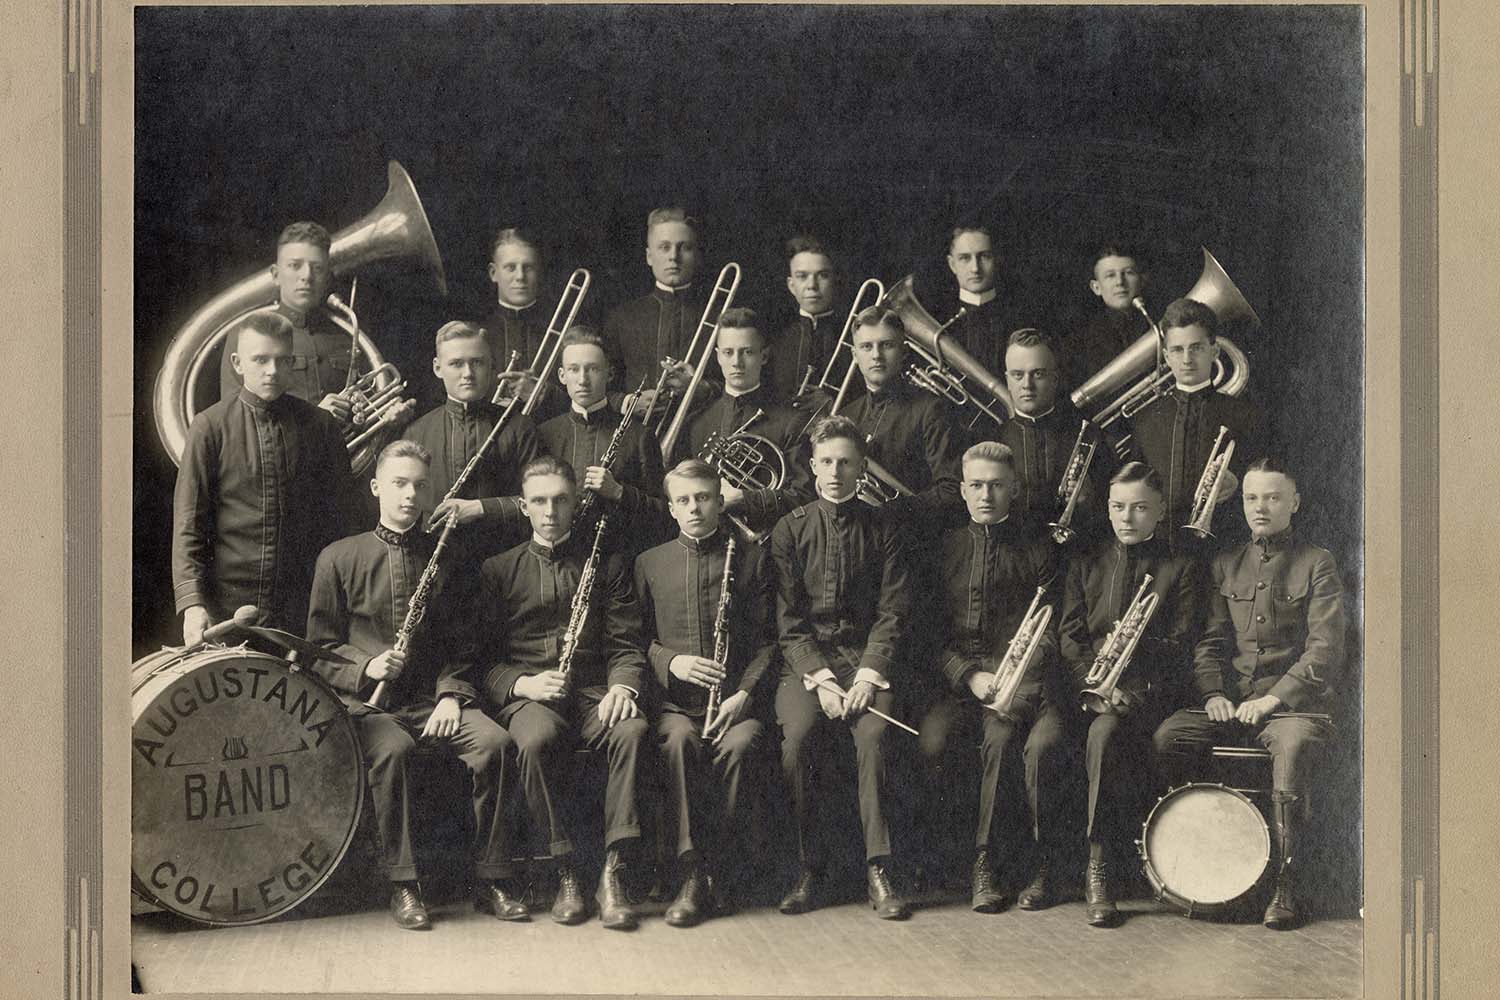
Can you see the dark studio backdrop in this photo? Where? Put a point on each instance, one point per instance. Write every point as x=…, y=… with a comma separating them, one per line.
x=1239, y=129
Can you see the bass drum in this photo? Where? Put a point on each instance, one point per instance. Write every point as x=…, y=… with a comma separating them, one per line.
x=246, y=784
x=1205, y=847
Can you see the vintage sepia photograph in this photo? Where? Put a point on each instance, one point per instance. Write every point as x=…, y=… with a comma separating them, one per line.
x=754, y=500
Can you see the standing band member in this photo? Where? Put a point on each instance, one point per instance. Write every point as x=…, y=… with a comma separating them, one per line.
x=527, y=601
x=362, y=591
x=842, y=604
x=992, y=569
x=809, y=340
x=264, y=484
x=519, y=319
x=643, y=332
x=681, y=588
x=989, y=315
x=1118, y=277
x=1274, y=642
x=1100, y=591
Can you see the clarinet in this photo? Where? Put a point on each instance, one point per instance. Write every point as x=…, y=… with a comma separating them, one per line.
x=721, y=631
x=580, y=610
x=416, y=609
x=611, y=450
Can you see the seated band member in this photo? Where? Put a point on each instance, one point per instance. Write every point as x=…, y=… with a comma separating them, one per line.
x=989, y=315
x=1117, y=278
x=362, y=591
x=1101, y=586
x=643, y=332
x=1175, y=434
x=742, y=354
x=809, y=340
x=842, y=602
x=680, y=584
x=264, y=484
x=526, y=597
x=631, y=485
x=1042, y=435
x=1274, y=641
x=453, y=433
x=992, y=568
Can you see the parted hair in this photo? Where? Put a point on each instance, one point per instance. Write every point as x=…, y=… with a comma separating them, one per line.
x=990, y=451
x=403, y=448
x=1190, y=312
x=305, y=232
x=836, y=427
x=267, y=324
x=515, y=234
x=673, y=213
x=879, y=315
x=581, y=334
x=691, y=468
x=1030, y=336
x=969, y=226
x=456, y=329
x=546, y=465
x=1138, y=472
x=806, y=243
x=741, y=318
x=1271, y=463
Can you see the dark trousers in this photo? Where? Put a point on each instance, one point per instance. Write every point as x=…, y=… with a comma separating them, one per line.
x=1117, y=757
x=953, y=726
x=388, y=741
x=807, y=736
x=546, y=735
x=1296, y=746
x=704, y=781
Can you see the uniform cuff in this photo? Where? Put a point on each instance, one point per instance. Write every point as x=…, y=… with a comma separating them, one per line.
x=811, y=681
x=872, y=677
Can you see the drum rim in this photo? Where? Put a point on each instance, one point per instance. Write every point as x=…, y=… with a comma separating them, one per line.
x=1165, y=893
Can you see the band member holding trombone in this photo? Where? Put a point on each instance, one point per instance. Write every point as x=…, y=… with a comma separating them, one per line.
x=1131, y=613
x=842, y=606
x=1270, y=654
x=999, y=658
x=519, y=320
x=364, y=591
x=264, y=484
x=559, y=627
x=644, y=332
x=1117, y=278
x=706, y=603
x=811, y=339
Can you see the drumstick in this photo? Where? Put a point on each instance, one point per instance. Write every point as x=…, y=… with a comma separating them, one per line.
x=247, y=614
x=871, y=709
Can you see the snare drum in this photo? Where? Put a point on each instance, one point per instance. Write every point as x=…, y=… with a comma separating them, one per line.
x=246, y=783
x=1205, y=847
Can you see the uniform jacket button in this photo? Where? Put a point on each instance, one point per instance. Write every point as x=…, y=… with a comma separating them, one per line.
x=1261, y=619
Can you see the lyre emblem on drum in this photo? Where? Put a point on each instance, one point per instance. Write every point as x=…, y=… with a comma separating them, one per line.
x=235, y=749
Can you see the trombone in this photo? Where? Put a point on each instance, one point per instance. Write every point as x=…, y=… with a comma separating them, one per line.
x=1206, y=495
x=576, y=289
x=708, y=335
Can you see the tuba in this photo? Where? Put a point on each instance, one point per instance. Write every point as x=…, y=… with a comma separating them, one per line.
x=1108, y=667
x=943, y=367
x=1019, y=655
x=397, y=227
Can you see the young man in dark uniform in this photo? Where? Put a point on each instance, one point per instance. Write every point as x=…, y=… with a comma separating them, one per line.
x=992, y=568
x=489, y=506
x=264, y=484
x=362, y=591
x=842, y=605
x=989, y=316
x=1100, y=588
x=643, y=332
x=1118, y=278
x=631, y=486
x=680, y=584
x=519, y=320
x=1274, y=641
x=526, y=601
x=809, y=340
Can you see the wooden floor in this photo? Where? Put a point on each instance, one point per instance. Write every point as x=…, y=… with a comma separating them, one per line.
x=842, y=950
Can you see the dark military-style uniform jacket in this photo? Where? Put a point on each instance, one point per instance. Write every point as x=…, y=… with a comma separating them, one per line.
x=1042, y=447
x=805, y=342
x=984, y=330
x=912, y=435
x=521, y=330
x=1104, y=337
x=642, y=332
x=640, y=518
x=320, y=356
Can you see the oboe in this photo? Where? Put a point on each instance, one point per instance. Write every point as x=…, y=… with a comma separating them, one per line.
x=416, y=609
x=580, y=610
x=721, y=632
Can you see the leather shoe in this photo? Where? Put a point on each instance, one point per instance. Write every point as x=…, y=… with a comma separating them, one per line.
x=615, y=910
x=887, y=905
x=1101, y=911
x=407, y=908
x=493, y=897
x=692, y=900
x=569, y=907
x=801, y=897
x=984, y=895
x=1038, y=895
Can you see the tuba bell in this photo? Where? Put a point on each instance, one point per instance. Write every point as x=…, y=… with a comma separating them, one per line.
x=944, y=367
x=395, y=228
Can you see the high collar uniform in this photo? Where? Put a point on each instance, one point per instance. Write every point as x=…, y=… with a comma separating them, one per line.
x=320, y=356
x=660, y=324
x=521, y=330
x=1042, y=449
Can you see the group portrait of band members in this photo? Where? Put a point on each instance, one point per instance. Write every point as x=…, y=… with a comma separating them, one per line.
x=1062, y=648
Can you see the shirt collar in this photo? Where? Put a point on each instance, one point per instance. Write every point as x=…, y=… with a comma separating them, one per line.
x=807, y=315
x=839, y=508
x=515, y=309
x=969, y=298
x=548, y=550
x=253, y=401
x=400, y=539
x=459, y=408
x=1039, y=417
x=705, y=544
x=1278, y=542
x=592, y=414
x=732, y=394
x=671, y=292
x=297, y=316
x=1207, y=383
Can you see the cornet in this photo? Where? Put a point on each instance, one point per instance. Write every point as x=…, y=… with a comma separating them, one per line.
x=1073, y=479
x=1206, y=496
x=1104, y=675
x=1019, y=655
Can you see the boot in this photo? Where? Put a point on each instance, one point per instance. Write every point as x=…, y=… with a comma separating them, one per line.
x=887, y=905
x=407, y=908
x=802, y=896
x=569, y=906
x=984, y=895
x=1281, y=911
x=1038, y=895
x=1101, y=911
x=615, y=910
x=692, y=901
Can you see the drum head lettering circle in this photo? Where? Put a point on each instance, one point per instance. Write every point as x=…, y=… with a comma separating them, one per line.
x=246, y=784
x=1207, y=844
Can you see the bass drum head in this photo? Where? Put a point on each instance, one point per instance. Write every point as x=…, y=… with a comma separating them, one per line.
x=246, y=784
x=1205, y=846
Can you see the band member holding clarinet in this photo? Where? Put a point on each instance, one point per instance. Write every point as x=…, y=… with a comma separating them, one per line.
x=1118, y=277
x=519, y=320
x=999, y=658
x=842, y=605
x=706, y=603
x=1131, y=612
x=560, y=629
x=491, y=510
x=1271, y=651
x=264, y=484
x=811, y=338
x=385, y=600
x=643, y=333
x=1177, y=434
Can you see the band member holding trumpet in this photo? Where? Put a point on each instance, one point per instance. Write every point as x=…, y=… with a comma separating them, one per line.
x=519, y=320
x=1131, y=611
x=364, y=591
x=842, y=605
x=1176, y=435
x=453, y=433
x=559, y=626
x=1118, y=278
x=644, y=332
x=811, y=338
x=264, y=484
x=1000, y=582
x=706, y=604
x=1271, y=651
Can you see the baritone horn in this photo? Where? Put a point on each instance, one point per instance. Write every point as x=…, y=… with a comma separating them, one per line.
x=1108, y=667
x=395, y=228
x=374, y=398
x=545, y=360
x=1019, y=655
x=1206, y=495
x=943, y=367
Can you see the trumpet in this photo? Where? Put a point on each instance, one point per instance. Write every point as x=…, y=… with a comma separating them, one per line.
x=1018, y=657
x=719, y=300
x=568, y=305
x=1105, y=672
x=1068, y=491
x=1206, y=495
x=721, y=632
x=878, y=486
